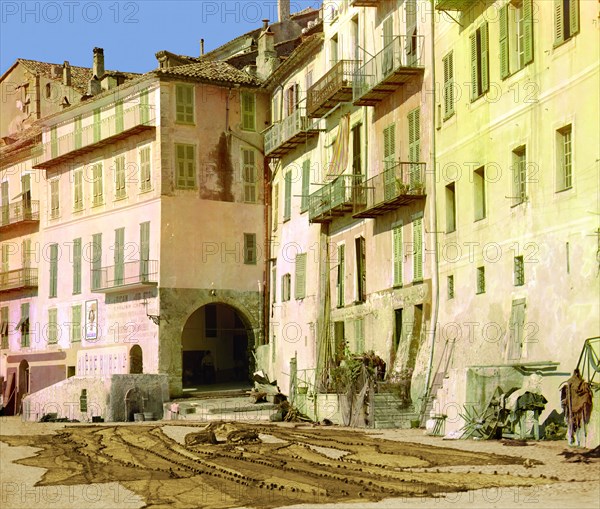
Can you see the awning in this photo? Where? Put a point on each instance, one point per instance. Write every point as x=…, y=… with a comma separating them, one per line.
x=339, y=160
x=21, y=195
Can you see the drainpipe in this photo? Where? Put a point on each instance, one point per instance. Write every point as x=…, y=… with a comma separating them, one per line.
x=435, y=283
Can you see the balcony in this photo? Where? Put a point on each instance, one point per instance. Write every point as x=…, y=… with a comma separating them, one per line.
x=364, y=3
x=453, y=5
x=133, y=120
x=21, y=212
x=20, y=279
x=397, y=63
x=394, y=187
x=332, y=89
x=292, y=131
x=335, y=199
x=128, y=276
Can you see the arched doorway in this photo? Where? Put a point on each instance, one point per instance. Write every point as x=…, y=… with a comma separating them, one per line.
x=136, y=360
x=23, y=378
x=216, y=347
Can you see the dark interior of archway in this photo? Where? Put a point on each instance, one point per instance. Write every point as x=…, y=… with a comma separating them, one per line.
x=216, y=347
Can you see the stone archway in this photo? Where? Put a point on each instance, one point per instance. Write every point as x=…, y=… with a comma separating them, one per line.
x=216, y=346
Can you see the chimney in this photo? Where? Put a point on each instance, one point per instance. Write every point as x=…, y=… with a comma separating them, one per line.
x=265, y=24
x=201, y=47
x=266, y=60
x=94, y=86
x=66, y=74
x=283, y=10
x=98, y=69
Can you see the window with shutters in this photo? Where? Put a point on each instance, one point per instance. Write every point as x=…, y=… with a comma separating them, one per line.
x=184, y=104
x=186, y=166
x=5, y=207
x=23, y=325
x=448, y=62
x=411, y=31
x=97, y=185
x=76, y=266
x=414, y=148
x=54, y=199
x=53, y=142
x=566, y=20
x=119, y=256
x=519, y=175
x=516, y=36
x=450, y=287
x=388, y=48
x=300, y=283
x=519, y=271
x=305, y=185
x=78, y=190
x=341, y=276
x=96, y=261
x=97, y=126
x=144, y=106
x=5, y=264
x=479, y=189
x=120, y=190
x=274, y=281
x=144, y=250
x=53, y=270
x=479, y=61
x=250, y=248
x=450, y=208
x=26, y=253
x=248, y=111
x=361, y=269
x=76, y=323
x=286, y=282
x=77, y=130
x=398, y=255
x=287, y=205
x=418, y=249
x=275, y=211
x=389, y=161
x=480, y=280
x=119, y=116
x=52, y=326
x=4, y=328
x=359, y=335
x=249, y=175
x=564, y=158
x=145, y=170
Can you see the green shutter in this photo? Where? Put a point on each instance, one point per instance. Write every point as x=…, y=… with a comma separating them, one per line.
x=96, y=261
x=559, y=34
x=144, y=107
x=53, y=142
x=341, y=276
x=26, y=253
x=144, y=249
x=53, y=269
x=248, y=111
x=184, y=104
x=119, y=256
x=54, y=199
x=528, y=30
x=25, y=324
x=77, y=266
x=504, y=55
x=186, y=166
x=448, y=85
x=305, y=185
x=397, y=240
x=474, y=87
x=389, y=160
x=120, y=191
x=287, y=209
x=78, y=192
x=300, y=285
x=250, y=248
x=275, y=210
x=249, y=175
x=119, y=117
x=76, y=323
x=418, y=249
x=97, y=125
x=77, y=132
x=52, y=326
x=573, y=17
x=414, y=146
x=98, y=184
x=145, y=169
x=485, y=85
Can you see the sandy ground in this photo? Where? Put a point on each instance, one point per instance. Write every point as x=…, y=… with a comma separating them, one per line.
x=558, y=483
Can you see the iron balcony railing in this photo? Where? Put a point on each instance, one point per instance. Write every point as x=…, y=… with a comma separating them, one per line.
x=333, y=88
x=398, y=185
x=132, y=120
x=23, y=211
x=18, y=279
x=395, y=64
x=453, y=5
x=336, y=198
x=128, y=274
x=288, y=133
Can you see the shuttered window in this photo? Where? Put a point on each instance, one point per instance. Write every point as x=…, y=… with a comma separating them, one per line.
x=250, y=248
x=120, y=191
x=361, y=270
x=5, y=207
x=479, y=62
x=448, y=62
x=305, y=185
x=26, y=253
x=144, y=107
x=144, y=250
x=97, y=126
x=398, y=254
x=566, y=20
x=76, y=266
x=52, y=326
x=54, y=199
x=480, y=280
x=564, y=158
x=184, y=104
x=77, y=131
x=516, y=36
x=287, y=206
x=389, y=160
x=78, y=190
x=119, y=117
x=53, y=270
x=24, y=324
x=286, y=282
x=414, y=147
x=145, y=170
x=300, y=284
x=519, y=175
x=418, y=249
x=359, y=335
x=519, y=271
x=53, y=142
x=341, y=276
x=275, y=211
x=249, y=175
x=186, y=166
x=4, y=328
x=76, y=323
x=119, y=255
x=274, y=282
x=450, y=287
x=96, y=261
x=97, y=185
x=248, y=111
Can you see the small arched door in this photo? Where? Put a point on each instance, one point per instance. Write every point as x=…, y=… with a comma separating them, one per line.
x=136, y=360
x=23, y=378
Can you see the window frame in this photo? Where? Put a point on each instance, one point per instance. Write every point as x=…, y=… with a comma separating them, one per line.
x=300, y=276
x=249, y=174
x=519, y=175
x=448, y=76
x=518, y=271
x=53, y=277
x=450, y=293
x=479, y=63
x=250, y=249
x=187, y=115
x=182, y=180
x=120, y=178
x=248, y=111
x=55, y=198
x=480, y=280
x=145, y=168
x=562, y=175
x=341, y=276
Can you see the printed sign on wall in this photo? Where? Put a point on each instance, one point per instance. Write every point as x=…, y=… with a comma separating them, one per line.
x=91, y=319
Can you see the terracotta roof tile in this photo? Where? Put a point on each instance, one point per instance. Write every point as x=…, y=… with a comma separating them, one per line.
x=211, y=70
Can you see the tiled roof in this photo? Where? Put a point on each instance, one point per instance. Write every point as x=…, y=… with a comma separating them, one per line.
x=80, y=76
x=214, y=70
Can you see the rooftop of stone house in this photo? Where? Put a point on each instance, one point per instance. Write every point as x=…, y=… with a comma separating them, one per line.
x=80, y=76
x=210, y=70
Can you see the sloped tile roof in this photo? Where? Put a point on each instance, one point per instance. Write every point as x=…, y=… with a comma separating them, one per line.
x=210, y=70
x=80, y=76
